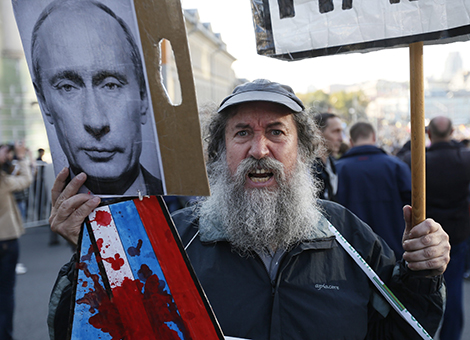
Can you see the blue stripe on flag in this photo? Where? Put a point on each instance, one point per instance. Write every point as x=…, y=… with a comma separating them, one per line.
x=135, y=241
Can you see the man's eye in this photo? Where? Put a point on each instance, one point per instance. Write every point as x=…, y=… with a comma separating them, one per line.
x=276, y=132
x=111, y=86
x=65, y=87
x=242, y=133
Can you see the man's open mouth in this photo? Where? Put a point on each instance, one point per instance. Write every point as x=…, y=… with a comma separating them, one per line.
x=260, y=175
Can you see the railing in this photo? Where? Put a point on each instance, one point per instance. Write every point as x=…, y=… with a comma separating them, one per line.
x=35, y=202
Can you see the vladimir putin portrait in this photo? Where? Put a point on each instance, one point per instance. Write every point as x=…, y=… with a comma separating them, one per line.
x=89, y=79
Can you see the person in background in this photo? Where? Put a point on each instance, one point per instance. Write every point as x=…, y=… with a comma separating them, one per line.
x=404, y=150
x=343, y=149
x=21, y=196
x=11, y=228
x=374, y=185
x=324, y=166
x=447, y=189
x=41, y=153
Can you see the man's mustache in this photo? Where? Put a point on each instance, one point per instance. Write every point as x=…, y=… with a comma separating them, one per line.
x=249, y=165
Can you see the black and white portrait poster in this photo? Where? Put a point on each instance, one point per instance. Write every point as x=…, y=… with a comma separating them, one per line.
x=85, y=60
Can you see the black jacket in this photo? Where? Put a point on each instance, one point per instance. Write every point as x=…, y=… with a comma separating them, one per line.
x=153, y=184
x=375, y=187
x=319, y=171
x=319, y=292
x=447, y=188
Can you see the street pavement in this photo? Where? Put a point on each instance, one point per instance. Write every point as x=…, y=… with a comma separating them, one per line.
x=34, y=287
x=43, y=263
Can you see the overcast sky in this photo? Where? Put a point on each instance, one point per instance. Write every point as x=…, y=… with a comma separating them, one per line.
x=233, y=20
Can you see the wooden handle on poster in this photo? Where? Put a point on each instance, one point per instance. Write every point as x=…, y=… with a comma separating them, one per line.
x=418, y=160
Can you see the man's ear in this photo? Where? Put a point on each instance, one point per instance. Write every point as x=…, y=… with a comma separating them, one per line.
x=144, y=106
x=42, y=104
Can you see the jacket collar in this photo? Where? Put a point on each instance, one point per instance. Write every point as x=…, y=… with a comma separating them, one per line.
x=442, y=145
x=362, y=150
x=211, y=231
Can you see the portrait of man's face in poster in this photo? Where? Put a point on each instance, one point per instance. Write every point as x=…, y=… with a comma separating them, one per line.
x=89, y=77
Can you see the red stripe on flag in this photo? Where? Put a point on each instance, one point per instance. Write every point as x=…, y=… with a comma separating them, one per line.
x=186, y=295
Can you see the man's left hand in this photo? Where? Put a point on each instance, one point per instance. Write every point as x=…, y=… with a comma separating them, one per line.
x=426, y=245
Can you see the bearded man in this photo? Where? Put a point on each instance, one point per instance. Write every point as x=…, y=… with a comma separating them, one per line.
x=261, y=244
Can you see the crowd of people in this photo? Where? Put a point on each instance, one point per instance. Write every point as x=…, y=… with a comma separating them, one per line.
x=375, y=186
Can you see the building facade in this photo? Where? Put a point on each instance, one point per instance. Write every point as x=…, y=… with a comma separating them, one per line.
x=213, y=75
x=20, y=117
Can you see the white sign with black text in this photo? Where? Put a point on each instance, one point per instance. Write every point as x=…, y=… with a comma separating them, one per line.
x=297, y=29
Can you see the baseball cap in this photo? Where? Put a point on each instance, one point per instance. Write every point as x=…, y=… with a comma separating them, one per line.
x=263, y=90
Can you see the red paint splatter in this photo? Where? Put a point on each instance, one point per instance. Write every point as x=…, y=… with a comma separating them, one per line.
x=161, y=308
x=99, y=244
x=87, y=256
x=94, y=297
x=102, y=218
x=135, y=251
x=132, y=314
x=116, y=263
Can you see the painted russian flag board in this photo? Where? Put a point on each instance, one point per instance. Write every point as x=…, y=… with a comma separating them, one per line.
x=134, y=279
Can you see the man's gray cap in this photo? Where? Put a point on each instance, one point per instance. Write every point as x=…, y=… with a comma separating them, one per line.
x=263, y=90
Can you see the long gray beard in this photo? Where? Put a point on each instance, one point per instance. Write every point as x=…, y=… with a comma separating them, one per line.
x=266, y=219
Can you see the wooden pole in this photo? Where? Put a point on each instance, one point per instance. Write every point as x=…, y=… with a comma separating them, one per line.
x=418, y=160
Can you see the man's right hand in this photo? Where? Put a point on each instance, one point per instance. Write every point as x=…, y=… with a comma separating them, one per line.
x=70, y=209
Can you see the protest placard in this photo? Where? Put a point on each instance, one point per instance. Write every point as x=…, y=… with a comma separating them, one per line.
x=293, y=30
x=97, y=74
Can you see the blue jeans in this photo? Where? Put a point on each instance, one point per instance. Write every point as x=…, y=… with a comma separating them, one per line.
x=453, y=316
x=9, y=251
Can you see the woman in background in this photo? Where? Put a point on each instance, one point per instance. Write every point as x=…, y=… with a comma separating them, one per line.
x=11, y=228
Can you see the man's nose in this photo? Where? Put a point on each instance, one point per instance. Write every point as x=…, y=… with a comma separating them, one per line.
x=97, y=132
x=95, y=118
x=259, y=147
